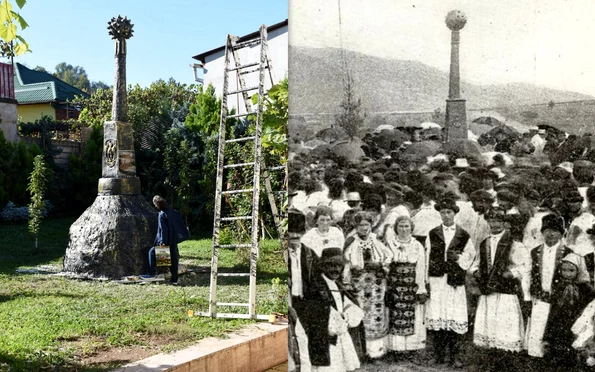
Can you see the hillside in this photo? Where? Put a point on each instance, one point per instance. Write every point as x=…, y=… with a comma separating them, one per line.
x=395, y=85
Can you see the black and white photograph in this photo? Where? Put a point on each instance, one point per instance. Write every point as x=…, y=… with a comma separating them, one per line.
x=441, y=185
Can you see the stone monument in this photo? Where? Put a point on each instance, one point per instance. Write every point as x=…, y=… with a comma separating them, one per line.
x=112, y=237
x=456, y=111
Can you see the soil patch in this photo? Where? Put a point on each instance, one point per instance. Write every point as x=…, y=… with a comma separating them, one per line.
x=114, y=356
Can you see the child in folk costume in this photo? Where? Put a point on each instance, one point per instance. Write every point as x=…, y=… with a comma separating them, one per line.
x=570, y=295
x=333, y=320
x=499, y=268
x=406, y=288
x=545, y=259
x=367, y=261
x=450, y=253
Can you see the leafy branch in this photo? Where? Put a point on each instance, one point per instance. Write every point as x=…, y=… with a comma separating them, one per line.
x=11, y=43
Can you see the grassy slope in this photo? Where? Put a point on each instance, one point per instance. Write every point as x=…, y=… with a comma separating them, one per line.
x=49, y=321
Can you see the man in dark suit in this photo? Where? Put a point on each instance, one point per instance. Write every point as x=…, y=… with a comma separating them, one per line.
x=545, y=258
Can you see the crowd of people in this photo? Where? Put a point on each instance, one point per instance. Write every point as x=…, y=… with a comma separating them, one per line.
x=393, y=264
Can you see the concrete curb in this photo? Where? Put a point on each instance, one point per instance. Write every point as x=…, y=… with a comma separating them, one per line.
x=257, y=348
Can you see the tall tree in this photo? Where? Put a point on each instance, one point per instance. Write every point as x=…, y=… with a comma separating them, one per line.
x=73, y=75
x=38, y=182
x=40, y=69
x=96, y=85
x=12, y=44
x=351, y=119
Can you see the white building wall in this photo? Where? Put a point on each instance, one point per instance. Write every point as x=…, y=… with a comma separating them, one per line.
x=8, y=112
x=278, y=55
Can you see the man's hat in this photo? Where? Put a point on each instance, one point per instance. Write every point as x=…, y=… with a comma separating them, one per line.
x=533, y=194
x=567, y=166
x=461, y=163
x=552, y=221
x=480, y=195
x=574, y=196
x=391, y=191
x=353, y=196
x=497, y=173
x=331, y=255
x=507, y=196
x=296, y=221
x=502, y=186
x=447, y=203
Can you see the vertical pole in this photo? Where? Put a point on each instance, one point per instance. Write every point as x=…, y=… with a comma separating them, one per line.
x=454, y=90
x=219, y=186
x=254, y=252
x=120, y=100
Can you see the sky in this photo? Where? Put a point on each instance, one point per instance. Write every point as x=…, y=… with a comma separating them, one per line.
x=166, y=34
x=545, y=42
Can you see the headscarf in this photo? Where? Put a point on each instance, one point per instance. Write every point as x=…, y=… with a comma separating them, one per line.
x=578, y=261
x=570, y=294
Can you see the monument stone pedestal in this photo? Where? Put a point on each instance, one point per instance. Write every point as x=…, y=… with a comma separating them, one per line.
x=456, y=119
x=112, y=238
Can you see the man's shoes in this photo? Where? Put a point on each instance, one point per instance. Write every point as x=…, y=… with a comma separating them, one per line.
x=173, y=283
x=148, y=277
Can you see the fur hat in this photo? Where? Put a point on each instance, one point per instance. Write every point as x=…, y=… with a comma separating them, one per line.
x=574, y=196
x=552, y=221
x=447, y=203
x=331, y=255
x=296, y=221
x=507, y=196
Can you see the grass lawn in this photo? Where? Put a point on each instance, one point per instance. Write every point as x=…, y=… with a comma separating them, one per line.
x=51, y=323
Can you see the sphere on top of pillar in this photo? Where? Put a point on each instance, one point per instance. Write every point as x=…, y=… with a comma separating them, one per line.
x=456, y=20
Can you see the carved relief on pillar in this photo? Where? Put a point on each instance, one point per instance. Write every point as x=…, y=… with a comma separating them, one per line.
x=110, y=152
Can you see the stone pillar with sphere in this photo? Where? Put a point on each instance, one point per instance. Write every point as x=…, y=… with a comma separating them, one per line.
x=112, y=237
x=456, y=111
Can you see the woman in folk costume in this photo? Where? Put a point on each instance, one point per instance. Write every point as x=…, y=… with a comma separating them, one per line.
x=544, y=262
x=406, y=288
x=499, y=268
x=333, y=320
x=367, y=261
x=394, y=209
x=450, y=254
x=578, y=237
x=570, y=295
